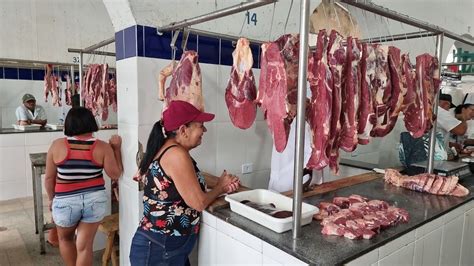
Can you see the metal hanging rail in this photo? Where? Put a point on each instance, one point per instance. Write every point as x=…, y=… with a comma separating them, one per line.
x=31, y=63
x=221, y=36
x=385, y=12
x=216, y=14
x=400, y=37
x=458, y=64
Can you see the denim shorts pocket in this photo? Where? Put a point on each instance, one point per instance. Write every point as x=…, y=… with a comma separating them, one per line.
x=95, y=208
x=62, y=214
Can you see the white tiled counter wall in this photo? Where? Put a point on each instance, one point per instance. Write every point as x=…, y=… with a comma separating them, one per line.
x=448, y=240
x=15, y=164
x=221, y=243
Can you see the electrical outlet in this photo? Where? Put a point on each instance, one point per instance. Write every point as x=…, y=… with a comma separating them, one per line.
x=247, y=168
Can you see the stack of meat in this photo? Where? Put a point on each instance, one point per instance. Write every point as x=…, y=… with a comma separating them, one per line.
x=357, y=217
x=430, y=183
x=52, y=85
x=99, y=91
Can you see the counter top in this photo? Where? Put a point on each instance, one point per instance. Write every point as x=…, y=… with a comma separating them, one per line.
x=43, y=130
x=316, y=249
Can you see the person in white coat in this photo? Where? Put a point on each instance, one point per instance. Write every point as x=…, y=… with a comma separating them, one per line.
x=282, y=164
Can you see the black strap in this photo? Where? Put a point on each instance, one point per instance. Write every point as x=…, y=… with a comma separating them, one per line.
x=167, y=148
x=465, y=97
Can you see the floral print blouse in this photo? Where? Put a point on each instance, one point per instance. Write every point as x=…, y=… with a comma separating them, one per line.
x=164, y=210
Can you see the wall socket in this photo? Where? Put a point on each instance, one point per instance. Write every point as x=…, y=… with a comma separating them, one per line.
x=247, y=168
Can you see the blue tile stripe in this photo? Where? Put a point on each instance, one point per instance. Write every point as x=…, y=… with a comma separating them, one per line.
x=31, y=74
x=144, y=41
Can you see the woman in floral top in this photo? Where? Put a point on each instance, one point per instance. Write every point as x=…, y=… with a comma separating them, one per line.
x=174, y=188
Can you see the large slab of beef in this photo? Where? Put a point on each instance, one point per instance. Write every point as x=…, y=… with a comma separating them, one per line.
x=336, y=59
x=350, y=97
x=241, y=92
x=427, y=78
x=366, y=105
x=356, y=217
x=98, y=91
x=52, y=85
x=186, y=81
x=289, y=45
x=320, y=107
x=393, y=97
x=381, y=86
x=272, y=94
x=430, y=183
x=413, y=102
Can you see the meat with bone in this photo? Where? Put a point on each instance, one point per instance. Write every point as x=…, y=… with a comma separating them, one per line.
x=97, y=91
x=393, y=98
x=241, y=91
x=272, y=94
x=186, y=82
x=429, y=183
x=289, y=45
x=381, y=86
x=326, y=209
x=48, y=83
x=366, y=106
x=336, y=59
x=319, y=108
x=359, y=217
x=350, y=97
x=428, y=80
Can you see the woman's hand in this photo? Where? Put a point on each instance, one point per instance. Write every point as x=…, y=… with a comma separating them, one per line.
x=228, y=182
x=115, y=141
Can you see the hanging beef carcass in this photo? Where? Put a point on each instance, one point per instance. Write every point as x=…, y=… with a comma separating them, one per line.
x=350, y=97
x=241, y=91
x=381, y=86
x=427, y=78
x=69, y=90
x=336, y=59
x=289, y=45
x=51, y=85
x=320, y=106
x=272, y=94
x=186, y=81
x=392, y=99
x=366, y=106
x=97, y=92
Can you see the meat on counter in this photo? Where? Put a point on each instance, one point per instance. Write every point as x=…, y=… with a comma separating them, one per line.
x=430, y=183
x=356, y=217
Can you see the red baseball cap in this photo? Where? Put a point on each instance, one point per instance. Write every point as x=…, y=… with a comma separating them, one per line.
x=179, y=113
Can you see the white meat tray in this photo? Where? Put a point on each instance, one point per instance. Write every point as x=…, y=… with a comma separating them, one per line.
x=55, y=126
x=264, y=196
x=27, y=127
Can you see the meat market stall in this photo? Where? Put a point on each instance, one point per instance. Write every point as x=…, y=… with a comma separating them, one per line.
x=409, y=221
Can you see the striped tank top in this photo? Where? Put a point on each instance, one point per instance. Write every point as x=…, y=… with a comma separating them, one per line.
x=78, y=172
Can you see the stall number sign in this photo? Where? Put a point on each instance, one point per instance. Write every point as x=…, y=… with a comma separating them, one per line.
x=251, y=18
x=75, y=59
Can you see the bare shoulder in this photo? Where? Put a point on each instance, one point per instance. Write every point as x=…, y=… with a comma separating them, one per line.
x=176, y=154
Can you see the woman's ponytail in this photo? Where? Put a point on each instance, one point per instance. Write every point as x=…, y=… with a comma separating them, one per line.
x=156, y=139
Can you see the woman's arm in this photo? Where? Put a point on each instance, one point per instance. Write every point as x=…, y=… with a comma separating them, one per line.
x=112, y=157
x=178, y=165
x=50, y=173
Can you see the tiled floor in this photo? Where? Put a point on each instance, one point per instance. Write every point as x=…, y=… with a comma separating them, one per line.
x=19, y=245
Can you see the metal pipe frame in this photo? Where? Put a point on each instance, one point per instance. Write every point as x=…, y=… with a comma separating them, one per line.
x=300, y=119
x=431, y=151
x=385, y=12
x=80, y=78
x=216, y=14
x=458, y=64
x=73, y=50
x=31, y=63
x=399, y=37
x=221, y=36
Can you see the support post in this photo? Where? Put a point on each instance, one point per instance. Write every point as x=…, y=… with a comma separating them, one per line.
x=439, y=49
x=80, y=79
x=300, y=119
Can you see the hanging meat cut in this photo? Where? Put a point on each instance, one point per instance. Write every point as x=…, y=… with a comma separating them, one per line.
x=51, y=85
x=366, y=106
x=336, y=60
x=320, y=106
x=186, y=81
x=98, y=91
x=272, y=94
x=241, y=91
x=430, y=183
x=350, y=97
x=427, y=78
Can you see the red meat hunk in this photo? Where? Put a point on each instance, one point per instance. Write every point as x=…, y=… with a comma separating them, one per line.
x=241, y=91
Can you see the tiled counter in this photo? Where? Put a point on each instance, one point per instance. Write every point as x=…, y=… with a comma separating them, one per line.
x=439, y=232
x=15, y=165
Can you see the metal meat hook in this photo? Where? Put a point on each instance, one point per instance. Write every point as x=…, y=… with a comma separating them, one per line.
x=184, y=42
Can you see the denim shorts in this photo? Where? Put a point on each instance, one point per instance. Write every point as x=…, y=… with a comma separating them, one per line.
x=152, y=249
x=87, y=207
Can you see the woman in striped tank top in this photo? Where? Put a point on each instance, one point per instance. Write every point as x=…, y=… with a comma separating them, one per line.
x=75, y=184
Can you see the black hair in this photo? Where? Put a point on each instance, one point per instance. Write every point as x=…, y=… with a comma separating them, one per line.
x=76, y=100
x=156, y=139
x=459, y=108
x=79, y=120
